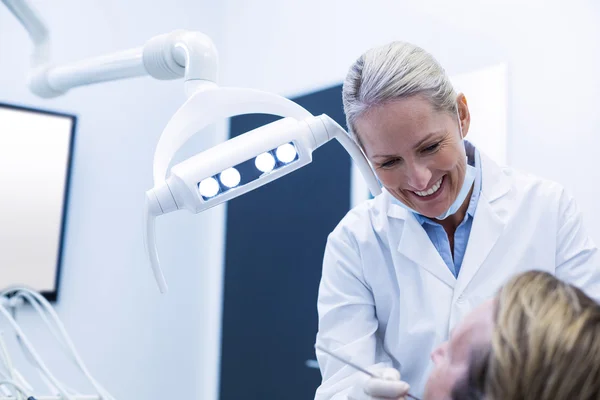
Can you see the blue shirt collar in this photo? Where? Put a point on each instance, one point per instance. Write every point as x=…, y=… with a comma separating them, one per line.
x=474, y=159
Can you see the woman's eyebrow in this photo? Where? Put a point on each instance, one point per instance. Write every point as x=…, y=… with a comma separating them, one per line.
x=384, y=155
x=426, y=138
x=419, y=144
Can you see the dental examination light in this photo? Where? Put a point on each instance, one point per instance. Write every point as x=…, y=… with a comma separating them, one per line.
x=213, y=176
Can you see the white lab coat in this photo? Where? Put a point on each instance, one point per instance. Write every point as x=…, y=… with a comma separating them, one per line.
x=386, y=297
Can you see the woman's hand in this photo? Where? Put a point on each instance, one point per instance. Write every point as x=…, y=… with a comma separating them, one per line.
x=387, y=386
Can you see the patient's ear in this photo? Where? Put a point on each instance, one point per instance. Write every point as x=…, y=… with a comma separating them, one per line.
x=472, y=385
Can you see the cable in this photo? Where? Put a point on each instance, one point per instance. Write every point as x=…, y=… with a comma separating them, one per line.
x=27, y=353
x=31, y=359
x=32, y=297
x=38, y=360
x=27, y=297
x=17, y=388
x=36, y=300
x=52, y=382
x=7, y=362
x=19, y=379
x=22, y=381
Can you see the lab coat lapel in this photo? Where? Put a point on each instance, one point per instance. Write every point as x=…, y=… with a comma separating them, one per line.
x=488, y=223
x=416, y=246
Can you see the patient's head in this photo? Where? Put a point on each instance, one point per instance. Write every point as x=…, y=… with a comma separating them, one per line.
x=451, y=360
x=539, y=338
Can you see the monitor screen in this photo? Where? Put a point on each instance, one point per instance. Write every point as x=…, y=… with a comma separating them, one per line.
x=35, y=163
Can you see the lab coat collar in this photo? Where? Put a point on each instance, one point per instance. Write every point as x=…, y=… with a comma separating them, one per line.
x=488, y=224
x=416, y=246
x=494, y=183
x=487, y=227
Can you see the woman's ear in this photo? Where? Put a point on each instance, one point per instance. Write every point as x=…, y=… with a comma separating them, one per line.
x=464, y=116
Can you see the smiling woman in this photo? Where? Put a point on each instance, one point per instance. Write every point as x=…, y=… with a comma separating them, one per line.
x=425, y=167
x=451, y=225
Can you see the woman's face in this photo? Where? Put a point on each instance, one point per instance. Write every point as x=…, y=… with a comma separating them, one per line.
x=416, y=151
x=451, y=359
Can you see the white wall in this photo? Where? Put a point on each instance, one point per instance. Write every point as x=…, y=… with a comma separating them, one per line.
x=137, y=343
x=551, y=49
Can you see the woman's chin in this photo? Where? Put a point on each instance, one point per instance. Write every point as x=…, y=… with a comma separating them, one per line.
x=430, y=215
x=432, y=212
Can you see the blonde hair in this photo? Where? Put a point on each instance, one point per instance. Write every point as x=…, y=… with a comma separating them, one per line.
x=545, y=346
x=391, y=72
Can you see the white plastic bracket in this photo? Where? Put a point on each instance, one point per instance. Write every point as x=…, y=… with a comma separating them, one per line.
x=188, y=54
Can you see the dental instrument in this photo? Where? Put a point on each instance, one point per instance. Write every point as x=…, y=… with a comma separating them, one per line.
x=355, y=366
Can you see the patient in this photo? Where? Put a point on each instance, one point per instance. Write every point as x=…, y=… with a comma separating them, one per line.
x=539, y=338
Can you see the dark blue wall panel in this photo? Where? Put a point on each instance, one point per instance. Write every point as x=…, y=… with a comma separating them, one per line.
x=274, y=248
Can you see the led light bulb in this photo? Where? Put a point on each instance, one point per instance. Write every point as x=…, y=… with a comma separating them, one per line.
x=265, y=162
x=209, y=187
x=286, y=153
x=230, y=177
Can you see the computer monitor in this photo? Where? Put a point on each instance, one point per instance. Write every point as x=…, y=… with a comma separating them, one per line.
x=36, y=148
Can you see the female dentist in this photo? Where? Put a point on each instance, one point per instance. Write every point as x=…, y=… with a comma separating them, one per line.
x=449, y=229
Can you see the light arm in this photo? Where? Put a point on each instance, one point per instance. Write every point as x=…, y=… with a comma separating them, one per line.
x=335, y=130
x=35, y=27
x=55, y=81
x=191, y=55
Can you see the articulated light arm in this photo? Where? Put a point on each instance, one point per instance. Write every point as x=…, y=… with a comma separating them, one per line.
x=190, y=55
x=355, y=152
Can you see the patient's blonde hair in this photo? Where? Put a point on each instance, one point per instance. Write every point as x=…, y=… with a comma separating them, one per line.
x=546, y=343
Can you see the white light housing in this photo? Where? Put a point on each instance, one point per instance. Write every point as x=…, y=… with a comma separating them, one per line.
x=209, y=187
x=230, y=177
x=179, y=189
x=265, y=162
x=286, y=153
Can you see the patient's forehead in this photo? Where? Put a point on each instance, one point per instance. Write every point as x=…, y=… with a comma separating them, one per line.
x=473, y=331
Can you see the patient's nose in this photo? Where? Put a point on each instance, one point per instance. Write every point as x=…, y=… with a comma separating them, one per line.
x=438, y=353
